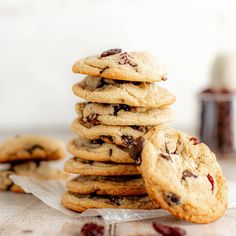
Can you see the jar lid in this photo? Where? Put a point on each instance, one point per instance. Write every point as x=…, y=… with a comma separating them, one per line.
x=223, y=74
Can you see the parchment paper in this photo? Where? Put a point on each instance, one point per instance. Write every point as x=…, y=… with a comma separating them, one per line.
x=50, y=193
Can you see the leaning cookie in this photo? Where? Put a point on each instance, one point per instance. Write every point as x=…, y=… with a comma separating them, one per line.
x=39, y=170
x=31, y=147
x=98, y=150
x=80, y=203
x=137, y=94
x=84, y=167
x=122, y=114
x=181, y=174
x=108, y=185
x=118, y=65
x=120, y=135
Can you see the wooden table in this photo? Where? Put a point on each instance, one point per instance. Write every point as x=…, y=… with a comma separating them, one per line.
x=22, y=214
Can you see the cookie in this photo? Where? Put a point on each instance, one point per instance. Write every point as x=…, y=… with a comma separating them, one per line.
x=35, y=169
x=80, y=203
x=117, y=65
x=31, y=147
x=38, y=169
x=108, y=185
x=120, y=135
x=85, y=167
x=181, y=174
x=98, y=150
x=137, y=94
x=122, y=114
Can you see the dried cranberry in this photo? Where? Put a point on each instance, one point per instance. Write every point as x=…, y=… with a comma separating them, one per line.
x=138, y=83
x=9, y=186
x=164, y=78
x=137, y=127
x=92, y=229
x=119, y=107
x=27, y=231
x=110, y=152
x=136, y=150
x=117, y=200
x=209, y=90
x=97, y=141
x=127, y=140
x=101, y=83
x=34, y=147
x=195, y=140
x=188, y=173
x=37, y=162
x=167, y=230
x=172, y=198
x=111, y=52
x=135, y=66
x=103, y=69
x=165, y=156
x=93, y=119
x=225, y=91
x=211, y=180
x=124, y=58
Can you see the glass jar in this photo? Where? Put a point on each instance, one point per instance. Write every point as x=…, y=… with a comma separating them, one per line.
x=218, y=120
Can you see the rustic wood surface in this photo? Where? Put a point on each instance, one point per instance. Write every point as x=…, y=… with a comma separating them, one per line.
x=22, y=214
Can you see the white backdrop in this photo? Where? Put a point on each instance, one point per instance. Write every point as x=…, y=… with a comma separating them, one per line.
x=40, y=40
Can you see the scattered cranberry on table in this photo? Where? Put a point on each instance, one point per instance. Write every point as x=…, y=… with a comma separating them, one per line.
x=92, y=229
x=166, y=230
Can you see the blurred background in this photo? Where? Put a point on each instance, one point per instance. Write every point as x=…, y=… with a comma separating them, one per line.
x=40, y=40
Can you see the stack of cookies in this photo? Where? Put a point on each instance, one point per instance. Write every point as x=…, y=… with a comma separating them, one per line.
x=123, y=103
x=29, y=155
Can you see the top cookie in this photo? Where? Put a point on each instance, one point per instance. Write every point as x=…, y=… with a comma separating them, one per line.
x=31, y=147
x=118, y=65
x=181, y=174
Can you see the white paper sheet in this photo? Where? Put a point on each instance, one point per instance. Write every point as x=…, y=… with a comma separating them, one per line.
x=50, y=193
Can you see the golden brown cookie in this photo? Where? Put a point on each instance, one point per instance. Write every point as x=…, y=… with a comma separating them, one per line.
x=31, y=147
x=119, y=135
x=122, y=114
x=98, y=150
x=181, y=174
x=108, y=185
x=137, y=94
x=118, y=65
x=40, y=170
x=6, y=184
x=84, y=167
x=80, y=203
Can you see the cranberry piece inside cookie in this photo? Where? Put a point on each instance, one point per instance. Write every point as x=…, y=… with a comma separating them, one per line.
x=211, y=180
x=124, y=58
x=111, y=52
x=136, y=150
x=119, y=107
x=194, y=140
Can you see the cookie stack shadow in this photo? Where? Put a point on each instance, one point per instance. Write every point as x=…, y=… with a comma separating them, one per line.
x=123, y=103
